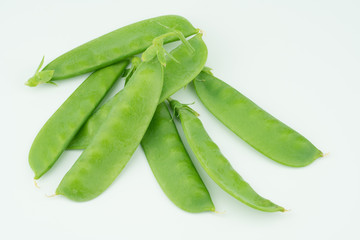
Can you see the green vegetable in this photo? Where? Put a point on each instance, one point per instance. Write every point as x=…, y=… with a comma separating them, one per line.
x=119, y=136
x=215, y=164
x=255, y=126
x=172, y=166
x=62, y=126
x=177, y=74
x=113, y=47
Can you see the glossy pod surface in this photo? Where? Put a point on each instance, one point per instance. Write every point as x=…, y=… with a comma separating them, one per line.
x=215, y=164
x=172, y=166
x=62, y=126
x=176, y=75
x=258, y=128
x=117, y=45
x=117, y=139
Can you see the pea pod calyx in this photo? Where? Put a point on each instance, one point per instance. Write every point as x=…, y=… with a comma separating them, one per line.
x=40, y=76
x=135, y=62
x=176, y=105
x=157, y=48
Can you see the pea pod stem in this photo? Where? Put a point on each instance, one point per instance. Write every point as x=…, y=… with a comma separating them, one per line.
x=157, y=48
x=135, y=62
x=41, y=77
x=183, y=105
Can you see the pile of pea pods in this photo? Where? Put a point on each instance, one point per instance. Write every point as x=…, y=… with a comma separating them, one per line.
x=142, y=113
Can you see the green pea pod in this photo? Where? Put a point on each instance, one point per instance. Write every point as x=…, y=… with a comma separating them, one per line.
x=172, y=166
x=118, y=137
x=215, y=164
x=255, y=126
x=62, y=126
x=177, y=74
x=114, y=47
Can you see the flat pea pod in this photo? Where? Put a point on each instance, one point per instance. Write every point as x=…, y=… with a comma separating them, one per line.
x=177, y=74
x=258, y=128
x=119, y=136
x=62, y=126
x=172, y=166
x=112, y=47
x=215, y=164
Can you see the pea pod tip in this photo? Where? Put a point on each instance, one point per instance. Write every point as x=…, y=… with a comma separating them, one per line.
x=36, y=184
x=324, y=154
x=218, y=212
x=51, y=195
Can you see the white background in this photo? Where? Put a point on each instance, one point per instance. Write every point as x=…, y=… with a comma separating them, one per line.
x=299, y=60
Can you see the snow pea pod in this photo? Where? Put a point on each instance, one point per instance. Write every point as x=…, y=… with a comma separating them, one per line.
x=177, y=74
x=62, y=126
x=215, y=164
x=119, y=136
x=112, y=47
x=82, y=139
x=172, y=166
x=258, y=128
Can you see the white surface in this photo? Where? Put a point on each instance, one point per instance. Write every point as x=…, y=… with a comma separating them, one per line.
x=299, y=60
